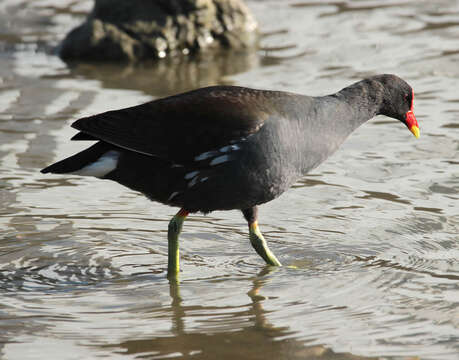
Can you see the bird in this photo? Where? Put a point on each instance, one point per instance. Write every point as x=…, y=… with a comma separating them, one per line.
x=228, y=147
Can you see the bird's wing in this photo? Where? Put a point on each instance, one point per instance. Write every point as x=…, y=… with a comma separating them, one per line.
x=180, y=127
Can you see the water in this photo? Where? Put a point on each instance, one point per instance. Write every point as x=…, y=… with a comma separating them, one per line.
x=371, y=236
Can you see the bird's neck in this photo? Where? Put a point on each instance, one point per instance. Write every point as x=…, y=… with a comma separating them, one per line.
x=363, y=100
x=336, y=117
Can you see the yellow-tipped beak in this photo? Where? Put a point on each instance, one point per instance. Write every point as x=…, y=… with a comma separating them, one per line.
x=412, y=123
x=415, y=130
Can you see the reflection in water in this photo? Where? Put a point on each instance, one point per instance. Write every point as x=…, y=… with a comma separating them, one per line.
x=257, y=339
x=176, y=75
x=170, y=76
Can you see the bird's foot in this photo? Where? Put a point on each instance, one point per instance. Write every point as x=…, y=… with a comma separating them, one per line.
x=175, y=227
x=260, y=245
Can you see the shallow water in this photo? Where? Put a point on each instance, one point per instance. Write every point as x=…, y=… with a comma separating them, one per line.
x=370, y=237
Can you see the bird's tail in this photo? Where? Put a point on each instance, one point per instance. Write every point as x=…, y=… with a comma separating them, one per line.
x=97, y=160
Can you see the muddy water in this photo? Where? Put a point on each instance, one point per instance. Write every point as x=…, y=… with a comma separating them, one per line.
x=372, y=233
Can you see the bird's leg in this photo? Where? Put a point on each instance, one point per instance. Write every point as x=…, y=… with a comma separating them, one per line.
x=256, y=238
x=175, y=227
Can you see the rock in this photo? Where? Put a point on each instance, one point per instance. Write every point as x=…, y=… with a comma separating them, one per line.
x=132, y=30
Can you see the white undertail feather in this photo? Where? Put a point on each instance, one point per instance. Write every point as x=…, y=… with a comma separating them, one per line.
x=102, y=166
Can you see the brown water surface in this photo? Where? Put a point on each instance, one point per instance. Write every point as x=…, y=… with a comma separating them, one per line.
x=370, y=238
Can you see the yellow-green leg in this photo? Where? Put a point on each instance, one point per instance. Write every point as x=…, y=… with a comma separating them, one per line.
x=256, y=238
x=175, y=227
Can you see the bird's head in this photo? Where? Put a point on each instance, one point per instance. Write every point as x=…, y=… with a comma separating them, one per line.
x=398, y=101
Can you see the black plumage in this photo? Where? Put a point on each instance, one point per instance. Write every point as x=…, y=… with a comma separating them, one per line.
x=228, y=147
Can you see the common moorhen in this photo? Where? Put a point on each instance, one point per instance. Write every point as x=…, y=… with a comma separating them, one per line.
x=228, y=147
